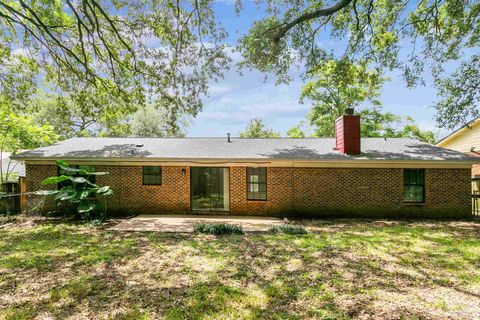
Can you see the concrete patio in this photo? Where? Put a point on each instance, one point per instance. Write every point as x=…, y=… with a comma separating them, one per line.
x=185, y=223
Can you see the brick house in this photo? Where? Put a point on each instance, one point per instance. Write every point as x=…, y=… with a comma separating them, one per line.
x=346, y=175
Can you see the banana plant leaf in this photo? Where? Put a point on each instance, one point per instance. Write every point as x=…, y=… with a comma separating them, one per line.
x=45, y=192
x=81, y=180
x=67, y=193
x=100, y=173
x=83, y=194
x=85, y=206
x=105, y=191
x=55, y=180
x=66, y=168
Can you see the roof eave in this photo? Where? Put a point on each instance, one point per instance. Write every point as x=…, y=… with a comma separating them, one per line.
x=265, y=161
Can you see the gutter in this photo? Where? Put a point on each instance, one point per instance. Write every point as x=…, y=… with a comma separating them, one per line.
x=347, y=163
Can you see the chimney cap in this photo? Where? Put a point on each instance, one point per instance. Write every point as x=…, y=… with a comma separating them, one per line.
x=350, y=111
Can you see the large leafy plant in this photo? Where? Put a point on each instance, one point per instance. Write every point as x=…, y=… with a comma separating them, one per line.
x=78, y=194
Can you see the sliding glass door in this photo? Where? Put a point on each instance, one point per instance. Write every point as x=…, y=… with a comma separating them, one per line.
x=210, y=189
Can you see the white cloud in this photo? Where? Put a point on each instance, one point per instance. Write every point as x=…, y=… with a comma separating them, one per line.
x=218, y=89
x=229, y=2
x=238, y=99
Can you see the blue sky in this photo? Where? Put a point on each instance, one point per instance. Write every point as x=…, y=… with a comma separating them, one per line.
x=237, y=98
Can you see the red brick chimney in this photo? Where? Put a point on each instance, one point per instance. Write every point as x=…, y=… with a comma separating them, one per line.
x=347, y=133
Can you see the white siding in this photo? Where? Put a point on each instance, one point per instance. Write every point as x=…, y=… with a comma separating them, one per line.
x=464, y=140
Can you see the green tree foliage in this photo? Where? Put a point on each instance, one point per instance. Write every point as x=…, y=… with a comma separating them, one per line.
x=20, y=132
x=94, y=112
x=166, y=51
x=336, y=86
x=78, y=194
x=257, y=129
x=17, y=80
x=296, y=132
x=17, y=86
x=460, y=95
x=151, y=122
x=439, y=33
x=377, y=124
x=341, y=84
x=91, y=111
x=374, y=124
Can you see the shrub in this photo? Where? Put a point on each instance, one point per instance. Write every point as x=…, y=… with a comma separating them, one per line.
x=217, y=228
x=78, y=195
x=288, y=229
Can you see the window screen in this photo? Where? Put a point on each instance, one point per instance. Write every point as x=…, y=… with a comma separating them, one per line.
x=414, y=185
x=152, y=175
x=257, y=183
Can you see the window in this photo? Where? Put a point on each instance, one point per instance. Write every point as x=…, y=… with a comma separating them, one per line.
x=65, y=183
x=256, y=183
x=152, y=176
x=414, y=185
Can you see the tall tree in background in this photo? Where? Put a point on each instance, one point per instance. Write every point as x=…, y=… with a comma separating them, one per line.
x=338, y=85
x=87, y=111
x=257, y=129
x=440, y=33
x=297, y=132
x=152, y=122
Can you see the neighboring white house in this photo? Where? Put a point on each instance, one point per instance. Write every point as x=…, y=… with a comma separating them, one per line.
x=467, y=140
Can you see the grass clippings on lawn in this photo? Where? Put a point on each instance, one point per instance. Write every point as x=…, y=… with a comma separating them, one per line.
x=339, y=270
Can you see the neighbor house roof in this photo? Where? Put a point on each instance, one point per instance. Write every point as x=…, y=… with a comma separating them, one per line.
x=314, y=149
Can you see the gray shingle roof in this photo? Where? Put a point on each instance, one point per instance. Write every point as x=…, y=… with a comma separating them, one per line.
x=218, y=148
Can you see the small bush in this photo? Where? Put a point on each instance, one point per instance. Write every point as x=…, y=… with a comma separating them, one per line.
x=288, y=229
x=217, y=228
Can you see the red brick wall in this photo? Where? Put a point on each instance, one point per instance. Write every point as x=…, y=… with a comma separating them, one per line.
x=302, y=190
x=448, y=189
x=352, y=191
x=347, y=134
x=279, y=192
x=131, y=196
x=34, y=175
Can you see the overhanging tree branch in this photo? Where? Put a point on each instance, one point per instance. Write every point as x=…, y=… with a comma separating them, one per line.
x=282, y=30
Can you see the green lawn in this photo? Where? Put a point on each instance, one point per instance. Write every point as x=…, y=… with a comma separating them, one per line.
x=339, y=270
